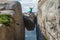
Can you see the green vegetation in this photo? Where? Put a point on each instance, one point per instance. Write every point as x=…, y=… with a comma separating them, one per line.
x=45, y=37
x=5, y=19
x=39, y=0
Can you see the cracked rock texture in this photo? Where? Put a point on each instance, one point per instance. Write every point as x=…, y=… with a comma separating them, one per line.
x=49, y=18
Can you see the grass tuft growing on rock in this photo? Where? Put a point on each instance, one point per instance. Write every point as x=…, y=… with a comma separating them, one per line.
x=4, y=19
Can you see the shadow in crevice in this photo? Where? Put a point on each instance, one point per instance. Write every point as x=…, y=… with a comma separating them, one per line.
x=40, y=35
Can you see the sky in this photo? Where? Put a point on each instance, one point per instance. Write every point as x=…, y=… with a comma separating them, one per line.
x=26, y=4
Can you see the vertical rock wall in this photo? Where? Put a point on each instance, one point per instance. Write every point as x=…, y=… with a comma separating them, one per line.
x=49, y=18
x=19, y=24
x=16, y=29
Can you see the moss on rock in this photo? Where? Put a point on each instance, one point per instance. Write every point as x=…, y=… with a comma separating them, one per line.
x=5, y=19
x=45, y=37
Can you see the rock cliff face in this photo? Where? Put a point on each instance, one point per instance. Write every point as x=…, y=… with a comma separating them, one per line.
x=16, y=29
x=49, y=19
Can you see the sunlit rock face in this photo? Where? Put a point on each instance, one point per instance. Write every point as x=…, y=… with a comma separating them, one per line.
x=49, y=18
x=15, y=30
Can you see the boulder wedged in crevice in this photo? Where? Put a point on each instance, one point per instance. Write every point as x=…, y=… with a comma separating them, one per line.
x=29, y=21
